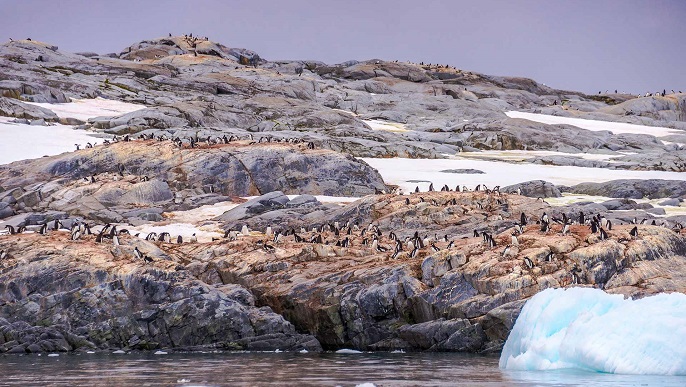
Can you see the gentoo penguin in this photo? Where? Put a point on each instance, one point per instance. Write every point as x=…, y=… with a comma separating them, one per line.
x=545, y=218
x=416, y=190
x=115, y=240
x=549, y=257
x=565, y=229
x=137, y=253
x=431, y=187
x=515, y=241
x=634, y=232
x=434, y=248
x=11, y=229
x=245, y=231
x=528, y=262
x=603, y=234
x=43, y=229
x=268, y=232
x=506, y=251
x=193, y=238
x=545, y=226
x=78, y=146
x=522, y=219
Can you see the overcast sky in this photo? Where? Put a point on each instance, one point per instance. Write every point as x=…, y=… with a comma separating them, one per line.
x=585, y=45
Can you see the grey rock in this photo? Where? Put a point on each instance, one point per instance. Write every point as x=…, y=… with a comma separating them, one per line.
x=534, y=189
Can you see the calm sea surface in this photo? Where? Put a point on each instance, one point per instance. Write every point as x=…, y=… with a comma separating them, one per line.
x=292, y=369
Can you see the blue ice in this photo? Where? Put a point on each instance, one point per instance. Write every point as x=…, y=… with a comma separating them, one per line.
x=592, y=330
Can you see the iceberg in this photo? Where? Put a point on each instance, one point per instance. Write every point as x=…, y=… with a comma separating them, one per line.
x=591, y=330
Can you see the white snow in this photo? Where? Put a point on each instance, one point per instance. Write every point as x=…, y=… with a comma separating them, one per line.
x=401, y=171
x=160, y=353
x=22, y=141
x=83, y=109
x=386, y=125
x=203, y=233
x=596, y=125
x=201, y=213
x=591, y=330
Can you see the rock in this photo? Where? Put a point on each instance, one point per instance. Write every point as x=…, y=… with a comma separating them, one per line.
x=671, y=202
x=534, y=189
x=634, y=189
x=463, y=171
x=302, y=200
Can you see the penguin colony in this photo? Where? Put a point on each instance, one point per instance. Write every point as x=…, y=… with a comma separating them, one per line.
x=374, y=241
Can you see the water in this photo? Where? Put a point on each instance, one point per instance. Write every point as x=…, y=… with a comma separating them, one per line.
x=288, y=369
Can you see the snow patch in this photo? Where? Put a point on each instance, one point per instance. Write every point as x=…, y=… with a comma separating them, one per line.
x=22, y=141
x=83, y=109
x=409, y=173
x=596, y=125
x=591, y=330
x=386, y=125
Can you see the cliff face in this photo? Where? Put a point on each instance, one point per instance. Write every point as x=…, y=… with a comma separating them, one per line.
x=61, y=295
x=464, y=297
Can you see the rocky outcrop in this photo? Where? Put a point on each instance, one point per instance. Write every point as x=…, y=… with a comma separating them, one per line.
x=61, y=295
x=192, y=84
x=94, y=182
x=464, y=297
x=534, y=189
x=634, y=189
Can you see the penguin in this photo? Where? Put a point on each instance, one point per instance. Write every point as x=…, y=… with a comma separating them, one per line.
x=522, y=219
x=3, y=254
x=565, y=229
x=519, y=229
x=634, y=232
x=115, y=240
x=506, y=251
x=434, y=247
x=147, y=259
x=603, y=234
x=416, y=190
x=575, y=278
x=11, y=229
x=431, y=187
x=549, y=257
x=43, y=229
x=245, y=231
x=193, y=238
x=529, y=263
x=268, y=232
x=545, y=226
x=515, y=241
x=545, y=218
x=407, y=201
x=137, y=253
x=78, y=146
x=414, y=252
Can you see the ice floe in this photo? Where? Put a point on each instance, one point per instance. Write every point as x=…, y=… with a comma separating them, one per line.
x=591, y=330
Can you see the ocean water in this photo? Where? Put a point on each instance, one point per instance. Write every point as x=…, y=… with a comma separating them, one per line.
x=294, y=369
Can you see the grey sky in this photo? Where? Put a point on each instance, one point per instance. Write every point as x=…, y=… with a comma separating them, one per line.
x=586, y=45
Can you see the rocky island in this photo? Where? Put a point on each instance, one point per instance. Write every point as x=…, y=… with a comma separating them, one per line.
x=232, y=202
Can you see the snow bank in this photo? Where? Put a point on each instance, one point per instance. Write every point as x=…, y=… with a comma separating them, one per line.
x=409, y=173
x=595, y=125
x=83, y=109
x=386, y=125
x=591, y=330
x=21, y=141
